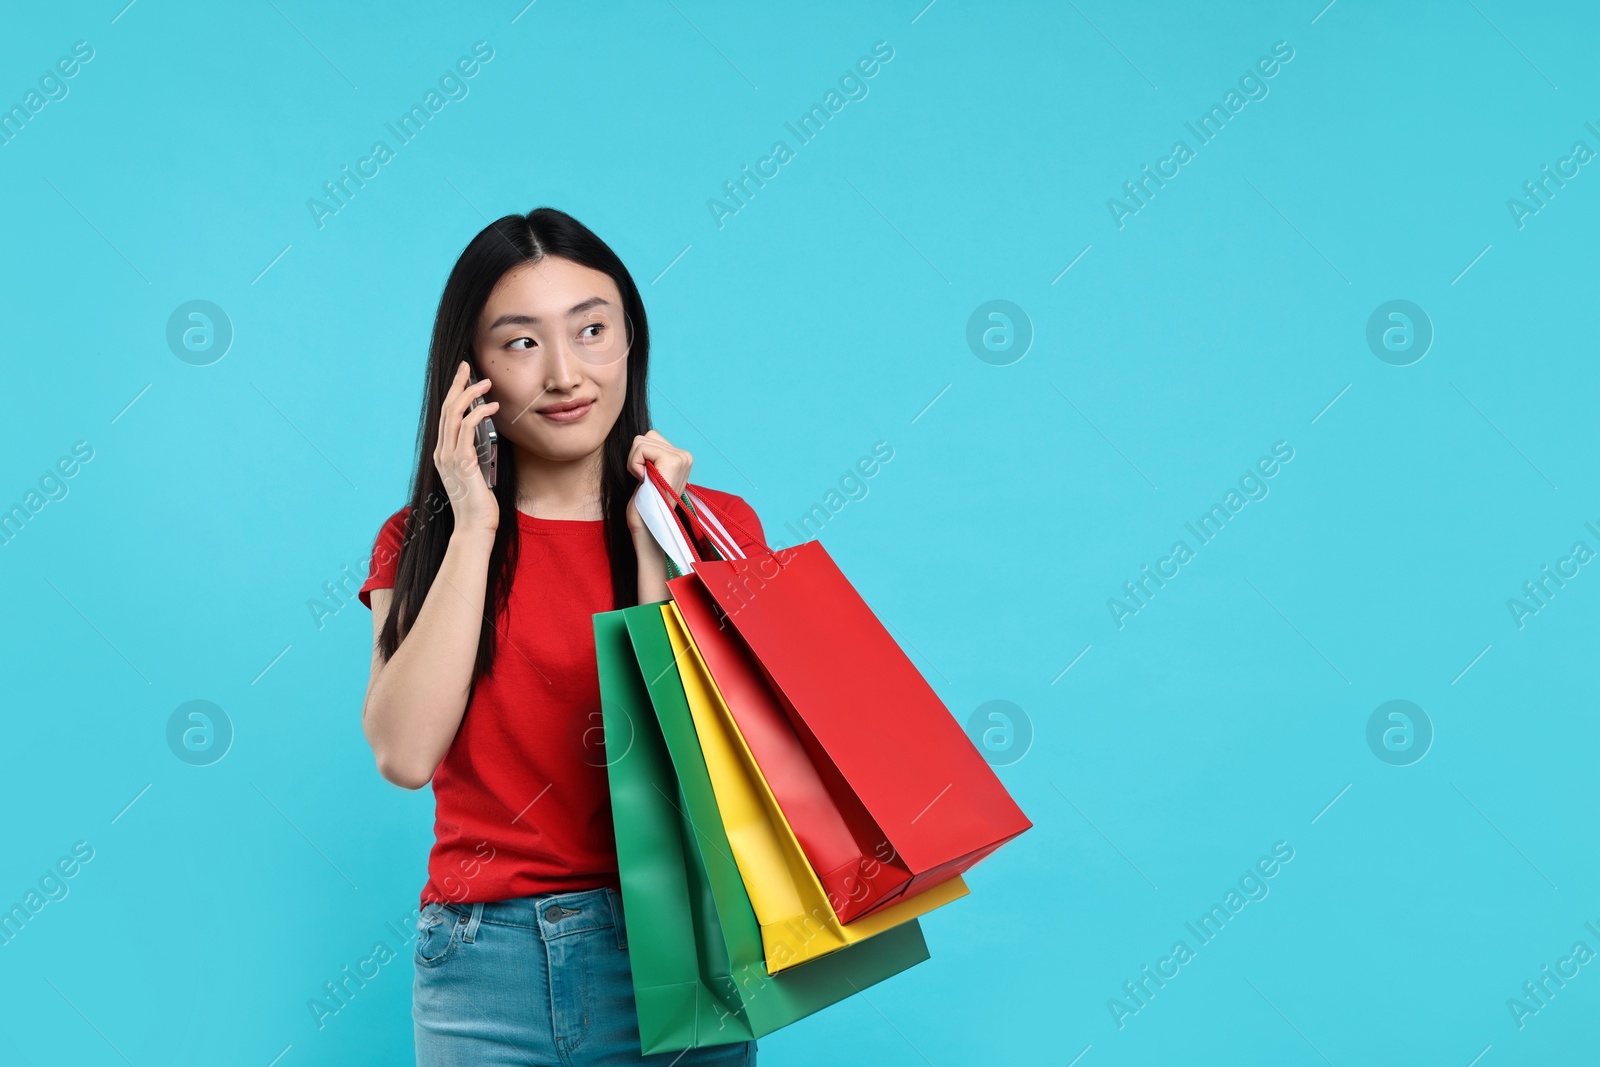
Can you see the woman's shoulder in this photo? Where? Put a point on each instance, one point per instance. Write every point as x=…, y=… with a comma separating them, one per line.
x=385, y=558
x=718, y=497
x=726, y=505
x=396, y=523
x=392, y=534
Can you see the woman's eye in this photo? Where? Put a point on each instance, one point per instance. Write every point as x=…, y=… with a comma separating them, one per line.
x=514, y=344
x=597, y=326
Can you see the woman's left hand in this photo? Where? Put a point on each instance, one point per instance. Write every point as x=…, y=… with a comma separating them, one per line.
x=673, y=463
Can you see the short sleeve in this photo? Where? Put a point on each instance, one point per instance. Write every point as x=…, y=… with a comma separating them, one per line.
x=739, y=517
x=385, y=559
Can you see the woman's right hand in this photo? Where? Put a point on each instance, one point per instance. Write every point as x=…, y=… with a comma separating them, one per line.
x=456, y=457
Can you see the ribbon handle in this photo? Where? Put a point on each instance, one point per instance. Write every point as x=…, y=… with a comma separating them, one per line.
x=664, y=525
x=690, y=534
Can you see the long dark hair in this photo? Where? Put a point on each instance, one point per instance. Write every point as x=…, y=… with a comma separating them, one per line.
x=503, y=244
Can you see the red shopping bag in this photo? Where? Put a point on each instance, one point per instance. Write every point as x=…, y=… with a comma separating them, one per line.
x=883, y=789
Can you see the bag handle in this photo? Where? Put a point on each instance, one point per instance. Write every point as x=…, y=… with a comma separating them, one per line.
x=699, y=534
x=681, y=532
x=728, y=547
x=665, y=526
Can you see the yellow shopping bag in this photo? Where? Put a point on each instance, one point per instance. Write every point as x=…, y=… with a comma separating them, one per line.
x=797, y=922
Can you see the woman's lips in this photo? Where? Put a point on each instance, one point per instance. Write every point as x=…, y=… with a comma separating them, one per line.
x=567, y=412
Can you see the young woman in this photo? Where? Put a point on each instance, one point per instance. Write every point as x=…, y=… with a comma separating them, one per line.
x=483, y=666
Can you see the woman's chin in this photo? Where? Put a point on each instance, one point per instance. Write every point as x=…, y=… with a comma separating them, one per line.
x=562, y=447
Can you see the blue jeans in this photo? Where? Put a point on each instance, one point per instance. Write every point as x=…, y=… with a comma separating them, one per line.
x=541, y=980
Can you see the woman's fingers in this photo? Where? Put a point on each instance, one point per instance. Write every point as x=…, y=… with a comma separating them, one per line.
x=645, y=448
x=455, y=455
x=673, y=463
x=450, y=410
x=475, y=416
x=457, y=403
x=455, y=452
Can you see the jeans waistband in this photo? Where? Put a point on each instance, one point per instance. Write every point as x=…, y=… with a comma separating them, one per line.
x=553, y=915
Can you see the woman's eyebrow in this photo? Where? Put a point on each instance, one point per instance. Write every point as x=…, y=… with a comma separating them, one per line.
x=517, y=319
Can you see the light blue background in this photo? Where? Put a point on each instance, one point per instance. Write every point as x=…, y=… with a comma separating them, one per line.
x=1227, y=315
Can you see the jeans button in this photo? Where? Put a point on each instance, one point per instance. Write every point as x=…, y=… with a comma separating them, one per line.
x=552, y=913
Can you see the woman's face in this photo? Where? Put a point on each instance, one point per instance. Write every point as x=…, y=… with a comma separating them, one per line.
x=553, y=340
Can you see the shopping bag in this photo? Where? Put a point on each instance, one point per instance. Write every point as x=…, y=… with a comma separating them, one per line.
x=797, y=922
x=920, y=802
x=855, y=863
x=853, y=860
x=695, y=947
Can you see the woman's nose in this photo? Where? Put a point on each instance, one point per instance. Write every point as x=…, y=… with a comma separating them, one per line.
x=564, y=365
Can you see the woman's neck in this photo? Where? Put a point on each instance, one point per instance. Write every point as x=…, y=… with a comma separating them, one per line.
x=559, y=489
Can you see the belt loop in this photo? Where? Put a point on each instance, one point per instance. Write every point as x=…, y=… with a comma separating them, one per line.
x=614, y=899
x=472, y=923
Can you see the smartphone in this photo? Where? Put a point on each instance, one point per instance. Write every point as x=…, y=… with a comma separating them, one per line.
x=486, y=440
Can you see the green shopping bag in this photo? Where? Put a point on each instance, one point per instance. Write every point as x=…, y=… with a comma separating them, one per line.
x=699, y=969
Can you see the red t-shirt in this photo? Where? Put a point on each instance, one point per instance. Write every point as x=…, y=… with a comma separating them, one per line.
x=521, y=802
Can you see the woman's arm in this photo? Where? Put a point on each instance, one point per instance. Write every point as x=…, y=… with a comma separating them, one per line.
x=652, y=568
x=674, y=465
x=416, y=698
